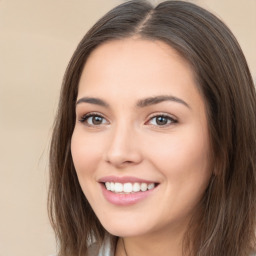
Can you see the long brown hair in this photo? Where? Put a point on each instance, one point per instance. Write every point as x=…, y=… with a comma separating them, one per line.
x=227, y=221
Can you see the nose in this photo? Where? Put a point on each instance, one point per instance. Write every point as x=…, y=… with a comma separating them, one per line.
x=123, y=148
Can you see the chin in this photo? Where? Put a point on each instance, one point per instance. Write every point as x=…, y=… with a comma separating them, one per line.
x=124, y=228
x=124, y=232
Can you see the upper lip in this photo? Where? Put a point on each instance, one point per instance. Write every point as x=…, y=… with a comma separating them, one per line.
x=124, y=179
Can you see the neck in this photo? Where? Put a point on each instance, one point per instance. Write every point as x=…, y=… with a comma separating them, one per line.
x=151, y=245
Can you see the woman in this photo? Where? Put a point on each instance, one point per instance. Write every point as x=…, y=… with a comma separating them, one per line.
x=154, y=145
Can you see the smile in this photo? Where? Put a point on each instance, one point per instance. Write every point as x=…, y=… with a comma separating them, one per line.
x=129, y=187
x=125, y=191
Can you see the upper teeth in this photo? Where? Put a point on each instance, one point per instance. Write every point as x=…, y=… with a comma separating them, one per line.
x=128, y=187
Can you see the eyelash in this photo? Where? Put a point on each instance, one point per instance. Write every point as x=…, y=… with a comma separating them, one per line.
x=171, y=120
x=85, y=118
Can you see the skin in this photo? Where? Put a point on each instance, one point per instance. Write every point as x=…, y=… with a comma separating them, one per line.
x=128, y=141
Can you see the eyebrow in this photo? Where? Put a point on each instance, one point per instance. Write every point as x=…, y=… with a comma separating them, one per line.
x=158, y=99
x=92, y=100
x=141, y=103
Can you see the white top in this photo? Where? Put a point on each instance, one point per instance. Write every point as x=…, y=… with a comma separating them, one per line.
x=96, y=250
x=104, y=250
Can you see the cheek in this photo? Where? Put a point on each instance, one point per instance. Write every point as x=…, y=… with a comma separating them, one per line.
x=181, y=155
x=183, y=162
x=86, y=153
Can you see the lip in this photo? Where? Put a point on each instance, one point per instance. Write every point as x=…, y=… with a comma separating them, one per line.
x=124, y=179
x=121, y=199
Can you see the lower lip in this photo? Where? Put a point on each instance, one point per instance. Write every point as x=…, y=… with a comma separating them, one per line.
x=125, y=199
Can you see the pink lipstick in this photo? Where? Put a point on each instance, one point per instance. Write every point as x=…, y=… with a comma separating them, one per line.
x=126, y=190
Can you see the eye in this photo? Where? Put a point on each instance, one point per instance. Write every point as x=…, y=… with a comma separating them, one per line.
x=93, y=119
x=161, y=120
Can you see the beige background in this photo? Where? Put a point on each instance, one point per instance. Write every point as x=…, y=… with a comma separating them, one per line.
x=37, y=38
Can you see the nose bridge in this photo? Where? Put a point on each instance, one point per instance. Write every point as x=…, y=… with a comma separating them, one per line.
x=122, y=147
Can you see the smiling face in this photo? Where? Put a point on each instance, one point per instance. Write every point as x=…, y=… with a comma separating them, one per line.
x=141, y=131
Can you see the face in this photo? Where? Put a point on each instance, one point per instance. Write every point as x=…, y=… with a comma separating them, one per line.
x=140, y=144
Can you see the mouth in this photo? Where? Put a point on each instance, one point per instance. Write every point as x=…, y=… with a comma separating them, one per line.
x=125, y=191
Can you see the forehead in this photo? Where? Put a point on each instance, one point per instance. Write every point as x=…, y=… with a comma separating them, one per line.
x=136, y=68
x=144, y=55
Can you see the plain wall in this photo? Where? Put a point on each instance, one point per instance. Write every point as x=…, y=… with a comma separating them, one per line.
x=37, y=39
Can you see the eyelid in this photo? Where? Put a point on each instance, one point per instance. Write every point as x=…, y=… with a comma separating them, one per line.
x=84, y=117
x=173, y=119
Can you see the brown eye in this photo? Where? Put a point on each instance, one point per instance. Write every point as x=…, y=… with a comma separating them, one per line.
x=96, y=120
x=162, y=120
x=93, y=120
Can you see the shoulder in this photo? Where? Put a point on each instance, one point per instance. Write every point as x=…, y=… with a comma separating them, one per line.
x=97, y=249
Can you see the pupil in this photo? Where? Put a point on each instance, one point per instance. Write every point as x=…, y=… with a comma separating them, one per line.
x=97, y=120
x=161, y=120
